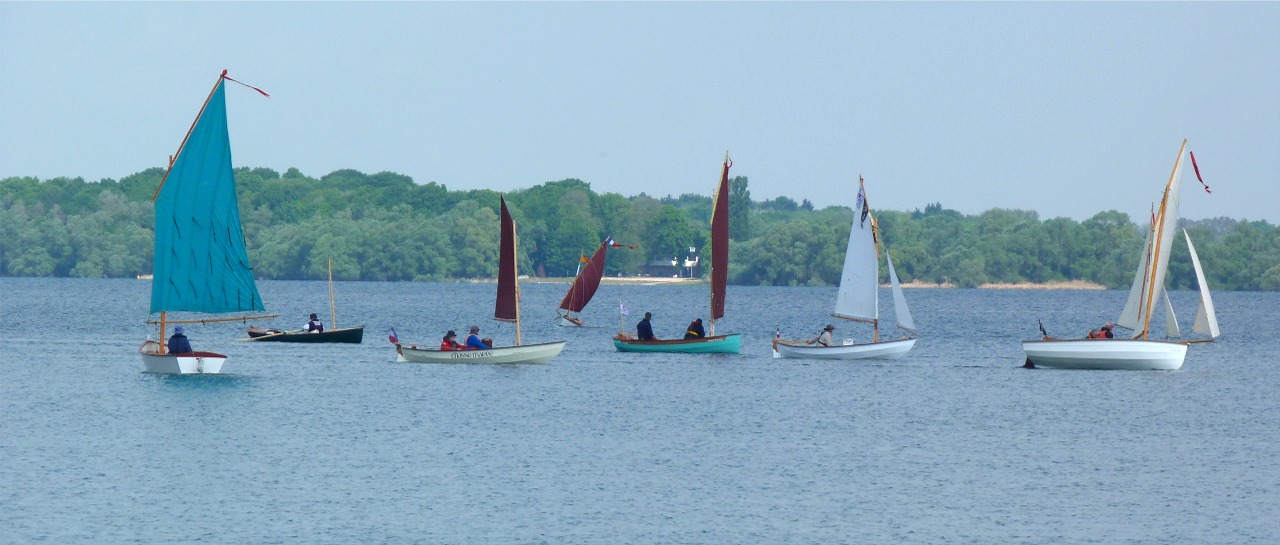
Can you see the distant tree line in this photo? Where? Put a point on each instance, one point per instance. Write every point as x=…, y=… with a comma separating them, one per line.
x=385, y=227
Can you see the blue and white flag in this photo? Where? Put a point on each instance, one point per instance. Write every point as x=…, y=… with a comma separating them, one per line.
x=862, y=207
x=622, y=308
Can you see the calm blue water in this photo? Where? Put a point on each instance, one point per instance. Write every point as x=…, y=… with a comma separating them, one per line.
x=339, y=444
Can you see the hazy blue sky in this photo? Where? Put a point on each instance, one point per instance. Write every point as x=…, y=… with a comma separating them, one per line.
x=1063, y=108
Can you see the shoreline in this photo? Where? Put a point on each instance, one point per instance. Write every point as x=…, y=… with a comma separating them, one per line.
x=652, y=281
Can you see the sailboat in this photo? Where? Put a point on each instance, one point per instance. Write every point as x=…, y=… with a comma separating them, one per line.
x=200, y=260
x=712, y=343
x=506, y=308
x=584, y=287
x=1141, y=352
x=351, y=335
x=858, y=298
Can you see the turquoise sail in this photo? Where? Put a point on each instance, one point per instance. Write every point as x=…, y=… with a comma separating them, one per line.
x=200, y=259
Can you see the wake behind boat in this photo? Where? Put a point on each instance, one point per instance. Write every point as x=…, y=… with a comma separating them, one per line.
x=721, y=344
x=858, y=299
x=506, y=309
x=1140, y=352
x=200, y=262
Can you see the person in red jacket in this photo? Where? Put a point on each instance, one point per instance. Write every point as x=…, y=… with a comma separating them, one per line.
x=450, y=341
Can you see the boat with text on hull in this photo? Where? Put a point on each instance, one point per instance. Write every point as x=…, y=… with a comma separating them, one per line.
x=1140, y=352
x=506, y=308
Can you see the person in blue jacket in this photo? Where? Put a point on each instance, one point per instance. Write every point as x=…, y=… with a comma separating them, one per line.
x=178, y=343
x=473, y=340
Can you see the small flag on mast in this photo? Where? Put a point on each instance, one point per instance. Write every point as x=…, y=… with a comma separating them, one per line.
x=614, y=244
x=622, y=308
x=395, y=339
x=1197, y=169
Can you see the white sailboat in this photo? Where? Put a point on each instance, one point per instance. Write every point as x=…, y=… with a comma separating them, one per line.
x=200, y=262
x=859, y=299
x=1141, y=352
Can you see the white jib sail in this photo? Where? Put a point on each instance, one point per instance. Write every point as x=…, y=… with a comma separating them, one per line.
x=1206, y=319
x=899, y=299
x=1170, y=319
x=860, y=280
x=1131, y=316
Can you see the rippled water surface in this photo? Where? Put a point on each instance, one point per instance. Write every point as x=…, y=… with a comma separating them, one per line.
x=339, y=444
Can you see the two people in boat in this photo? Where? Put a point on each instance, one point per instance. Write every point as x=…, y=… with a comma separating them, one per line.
x=1102, y=333
x=473, y=342
x=178, y=343
x=823, y=338
x=644, y=329
x=314, y=325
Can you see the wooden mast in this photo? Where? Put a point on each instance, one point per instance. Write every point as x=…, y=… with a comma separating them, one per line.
x=515, y=268
x=333, y=315
x=875, y=248
x=1155, y=242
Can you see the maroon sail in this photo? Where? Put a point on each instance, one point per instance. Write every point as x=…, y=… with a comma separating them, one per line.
x=585, y=285
x=506, y=308
x=720, y=243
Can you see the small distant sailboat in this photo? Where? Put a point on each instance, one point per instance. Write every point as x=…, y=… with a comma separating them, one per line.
x=506, y=309
x=1141, y=352
x=858, y=299
x=200, y=260
x=583, y=288
x=585, y=284
x=712, y=343
x=350, y=335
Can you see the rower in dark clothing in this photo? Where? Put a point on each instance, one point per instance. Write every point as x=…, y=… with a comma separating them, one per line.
x=644, y=329
x=695, y=330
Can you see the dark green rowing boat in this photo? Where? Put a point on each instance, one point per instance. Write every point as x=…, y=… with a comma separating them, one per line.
x=353, y=335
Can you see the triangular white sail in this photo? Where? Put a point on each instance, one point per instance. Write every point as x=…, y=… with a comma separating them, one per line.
x=1206, y=319
x=1170, y=319
x=1131, y=316
x=860, y=280
x=899, y=299
x=1166, y=224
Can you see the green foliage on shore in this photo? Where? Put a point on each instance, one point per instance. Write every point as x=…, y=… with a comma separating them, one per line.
x=385, y=227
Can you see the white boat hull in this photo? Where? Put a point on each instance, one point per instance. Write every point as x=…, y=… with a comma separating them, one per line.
x=191, y=363
x=564, y=320
x=1120, y=354
x=529, y=353
x=888, y=350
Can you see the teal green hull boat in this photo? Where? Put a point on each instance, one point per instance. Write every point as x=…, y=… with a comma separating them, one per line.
x=719, y=344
